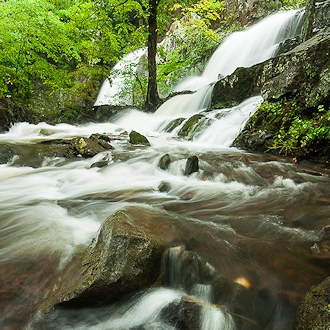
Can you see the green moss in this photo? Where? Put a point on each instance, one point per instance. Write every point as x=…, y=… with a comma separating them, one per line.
x=137, y=138
x=192, y=126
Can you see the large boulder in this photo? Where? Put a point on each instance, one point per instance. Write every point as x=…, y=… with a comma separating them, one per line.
x=121, y=260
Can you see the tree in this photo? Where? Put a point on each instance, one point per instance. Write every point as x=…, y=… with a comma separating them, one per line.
x=58, y=51
x=152, y=98
x=206, y=10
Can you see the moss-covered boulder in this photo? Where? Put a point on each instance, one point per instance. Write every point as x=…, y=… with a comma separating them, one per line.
x=137, y=138
x=173, y=124
x=314, y=311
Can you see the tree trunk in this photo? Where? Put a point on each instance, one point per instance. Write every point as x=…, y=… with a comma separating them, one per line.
x=307, y=27
x=152, y=92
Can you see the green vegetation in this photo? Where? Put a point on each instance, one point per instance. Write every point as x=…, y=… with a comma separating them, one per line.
x=54, y=54
x=297, y=130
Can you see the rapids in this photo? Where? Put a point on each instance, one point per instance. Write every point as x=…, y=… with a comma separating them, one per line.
x=254, y=218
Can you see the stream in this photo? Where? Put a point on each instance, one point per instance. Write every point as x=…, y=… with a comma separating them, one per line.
x=256, y=218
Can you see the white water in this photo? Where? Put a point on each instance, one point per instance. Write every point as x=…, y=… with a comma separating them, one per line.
x=248, y=214
x=246, y=48
x=116, y=89
x=241, y=49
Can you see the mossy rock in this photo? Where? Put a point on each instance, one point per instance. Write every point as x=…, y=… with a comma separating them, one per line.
x=173, y=124
x=314, y=311
x=193, y=125
x=137, y=138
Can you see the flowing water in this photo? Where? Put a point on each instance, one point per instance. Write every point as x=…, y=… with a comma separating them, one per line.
x=254, y=218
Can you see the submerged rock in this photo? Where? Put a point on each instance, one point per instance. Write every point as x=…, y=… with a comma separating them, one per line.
x=137, y=138
x=192, y=126
x=164, y=162
x=121, y=260
x=164, y=186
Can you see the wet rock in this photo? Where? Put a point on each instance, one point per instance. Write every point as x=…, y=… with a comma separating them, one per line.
x=137, y=138
x=102, y=139
x=189, y=313
x=193, y=126
x=314, y=311
x=192, y=165
x=164, y=162
x=174, y=124
x=104, y=113
x=184, y=314
x=184, y=269
x=12, y=112
x=164, y=186
x=259, y=140
x=121, y=260
x=86, y=147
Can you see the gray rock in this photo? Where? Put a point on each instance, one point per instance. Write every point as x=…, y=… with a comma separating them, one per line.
x=121, y=260
x=86, y=147
x=164, y=162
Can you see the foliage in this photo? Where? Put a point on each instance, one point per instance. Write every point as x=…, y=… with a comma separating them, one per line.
x=61, y=49
x=293, y=4
x=192, y=43
x=297, y=130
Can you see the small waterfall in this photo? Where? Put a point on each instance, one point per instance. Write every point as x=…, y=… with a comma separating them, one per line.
x=115, y=90
x=228, y=123
x=212, y=318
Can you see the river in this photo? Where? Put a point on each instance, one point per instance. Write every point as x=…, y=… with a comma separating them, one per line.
x=255, y=218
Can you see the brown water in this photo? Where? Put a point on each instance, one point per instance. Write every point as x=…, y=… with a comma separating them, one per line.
x=252, y=217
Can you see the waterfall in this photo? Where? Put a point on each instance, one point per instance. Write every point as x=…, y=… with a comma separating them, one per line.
x=241, y=49
x=213, y=318
x=245, y=48
x=116, y=90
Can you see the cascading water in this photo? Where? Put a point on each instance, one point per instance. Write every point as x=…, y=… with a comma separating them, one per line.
x=246, y=218
x=115, y=89
x=241, y=49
